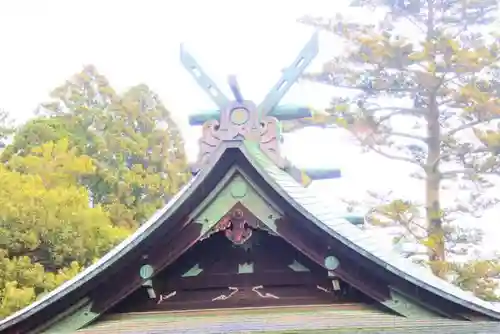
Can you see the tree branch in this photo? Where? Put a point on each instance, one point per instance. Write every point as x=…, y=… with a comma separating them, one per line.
x=363, y=141
x=465, y=171
x=469, y=125
x=444, y=102
x=448, y=155
x=398, y=111
x=314, y=78
x=408, y=229
x=406, y=135
x=452, y=173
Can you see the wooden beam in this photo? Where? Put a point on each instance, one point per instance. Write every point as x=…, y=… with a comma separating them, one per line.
x=235, y=88
x=203, y=80
x=224, y=280
x=282, y=113
x=290, y=75
x=314, y=248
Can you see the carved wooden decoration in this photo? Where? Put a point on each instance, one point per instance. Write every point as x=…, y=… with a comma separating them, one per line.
x=241, y=121
x=236, y=227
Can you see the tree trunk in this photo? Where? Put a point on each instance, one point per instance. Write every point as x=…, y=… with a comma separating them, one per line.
x=435, y=232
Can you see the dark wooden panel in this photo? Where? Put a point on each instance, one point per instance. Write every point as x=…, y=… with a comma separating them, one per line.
x=314, y=248
x=124, y=282
x=359, y=279
x=320, y=246
x=268, y=278
x=218, y=259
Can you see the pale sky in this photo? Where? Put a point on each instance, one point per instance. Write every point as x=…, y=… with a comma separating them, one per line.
x=45, y=42
x=131, y=42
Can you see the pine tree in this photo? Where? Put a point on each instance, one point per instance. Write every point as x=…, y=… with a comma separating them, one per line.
x=426, y=83
x=146, y=160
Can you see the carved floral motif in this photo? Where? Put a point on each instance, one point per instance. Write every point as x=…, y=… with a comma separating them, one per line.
x=235, y=227
x=238, y=227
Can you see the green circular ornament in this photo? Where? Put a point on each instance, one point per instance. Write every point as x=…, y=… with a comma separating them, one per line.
x=239, y=189
x=146, y=271
x=239, y=116
x=331, y=262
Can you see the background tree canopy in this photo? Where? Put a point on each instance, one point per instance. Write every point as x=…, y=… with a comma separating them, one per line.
x=78, y=178
x=420, y=83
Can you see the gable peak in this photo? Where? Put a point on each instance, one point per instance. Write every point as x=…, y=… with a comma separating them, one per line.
x=239, y=119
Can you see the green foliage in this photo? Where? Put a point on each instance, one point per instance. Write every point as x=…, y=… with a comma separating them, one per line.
x=47, y=228
x=21, y=281
x=56, y=163
x=136, y=148
x=480, y=277
x=145, y=162
x=52, y=225
x=41, y=130
x=424, y=63
x=78, y=178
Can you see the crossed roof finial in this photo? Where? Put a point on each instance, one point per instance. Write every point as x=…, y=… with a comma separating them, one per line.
x=273, y=97
x=240, y=119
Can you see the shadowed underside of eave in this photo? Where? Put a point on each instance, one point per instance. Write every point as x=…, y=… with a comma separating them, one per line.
x=346, y=318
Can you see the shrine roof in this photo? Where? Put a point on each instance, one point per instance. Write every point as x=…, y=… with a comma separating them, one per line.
x=312, y=208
